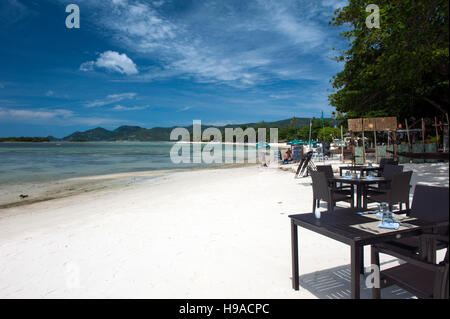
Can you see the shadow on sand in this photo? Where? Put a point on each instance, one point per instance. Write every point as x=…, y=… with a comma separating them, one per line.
x=334, y=283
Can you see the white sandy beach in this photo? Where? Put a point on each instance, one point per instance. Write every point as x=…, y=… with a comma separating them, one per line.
x=212, y=233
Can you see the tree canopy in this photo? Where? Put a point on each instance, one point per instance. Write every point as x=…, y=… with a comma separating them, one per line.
x=325, y=133
x=399, y=69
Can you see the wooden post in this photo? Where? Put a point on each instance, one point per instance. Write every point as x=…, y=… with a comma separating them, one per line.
x=423, y=135
x=376, y=148
x=342, y=146
x=363, y=144
x=389, y=135
x=437, y=134
x=394, y=143
x=352, y=139
x=407, y=133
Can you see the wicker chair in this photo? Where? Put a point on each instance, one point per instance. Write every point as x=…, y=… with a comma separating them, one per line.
x=423, y=279
x=328, y=170
x=430, y=203
x=323, y=191
x=398, y=193
x=385, y=161
x=388, y=171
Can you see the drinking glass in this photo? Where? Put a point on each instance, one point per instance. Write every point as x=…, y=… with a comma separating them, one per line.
x=387, y=216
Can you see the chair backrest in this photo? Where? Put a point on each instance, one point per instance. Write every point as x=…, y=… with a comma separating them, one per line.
x=389, y=170
x=320, y=185
x=430, y=203
x=399, y=191
x=327, y=169
x=385, y=161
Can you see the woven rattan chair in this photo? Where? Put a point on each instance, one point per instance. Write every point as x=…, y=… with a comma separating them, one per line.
x=430, y=203
x=423, y=279
x=385, y=161
x=398, y=193
x=387, y=172
x=323, y=191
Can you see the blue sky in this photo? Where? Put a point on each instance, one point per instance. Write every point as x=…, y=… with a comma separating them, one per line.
x=163, y=63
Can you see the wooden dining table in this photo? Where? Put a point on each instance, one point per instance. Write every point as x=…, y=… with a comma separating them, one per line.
x=357, y=231
x=361, y=186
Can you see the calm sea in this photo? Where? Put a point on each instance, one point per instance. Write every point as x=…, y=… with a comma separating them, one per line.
x=42, y=162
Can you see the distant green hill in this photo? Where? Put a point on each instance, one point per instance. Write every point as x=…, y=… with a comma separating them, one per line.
x=25, y=139
x=136, y=133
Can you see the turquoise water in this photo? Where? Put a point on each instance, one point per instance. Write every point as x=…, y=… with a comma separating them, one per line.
x=43, y=162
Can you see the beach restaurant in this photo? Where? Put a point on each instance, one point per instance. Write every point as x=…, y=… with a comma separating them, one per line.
x=380, y=214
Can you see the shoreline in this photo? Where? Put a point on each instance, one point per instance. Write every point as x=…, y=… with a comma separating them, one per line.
x=37, y=192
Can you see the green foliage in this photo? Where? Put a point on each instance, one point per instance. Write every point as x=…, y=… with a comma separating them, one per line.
x=325, y=133
x=25, y=139
x=400, y=69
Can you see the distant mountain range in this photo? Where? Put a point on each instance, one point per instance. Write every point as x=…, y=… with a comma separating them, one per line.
x=136, y=133
x=156, y=134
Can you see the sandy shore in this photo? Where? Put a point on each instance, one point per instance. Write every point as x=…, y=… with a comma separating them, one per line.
x=43, y=191
x=212, y=233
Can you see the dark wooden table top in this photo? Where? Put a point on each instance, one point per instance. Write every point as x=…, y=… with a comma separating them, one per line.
x=360, y=167
x=361, y=180
x=337, y=225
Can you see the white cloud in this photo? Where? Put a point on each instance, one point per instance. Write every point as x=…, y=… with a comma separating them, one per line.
x=184, y=109
x=112, y=61
x=59, y=117
x=237, y=43
x=40, y=114
x=282, y=96
x=87, y=66
x=49, y=93
x=110, y=99
x=132, y=108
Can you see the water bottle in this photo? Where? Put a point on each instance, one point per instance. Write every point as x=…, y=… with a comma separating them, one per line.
x=317, y=214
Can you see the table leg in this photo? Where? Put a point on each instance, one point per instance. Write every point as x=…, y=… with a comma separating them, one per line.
x=355, y=271
x=375, y=260
x=364, y=196
x=361, y=252
x=353, y=195
x=358, y=196
x=294, y=246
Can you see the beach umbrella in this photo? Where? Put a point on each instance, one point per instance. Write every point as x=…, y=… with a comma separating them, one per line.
x=296, y=142
x=263, y=145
